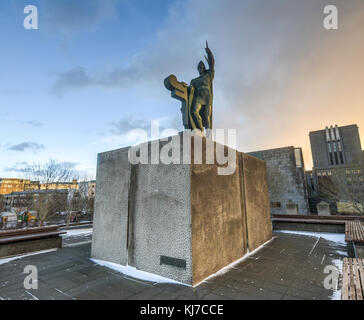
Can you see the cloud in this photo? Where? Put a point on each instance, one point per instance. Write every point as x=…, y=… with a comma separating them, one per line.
x=78, y=78
x=34, y=123
x=24, y=146
x=17, y=167
x=69, y=17
x=126, y=131
x=131, y=122
x=37, y=169
x=279, y=73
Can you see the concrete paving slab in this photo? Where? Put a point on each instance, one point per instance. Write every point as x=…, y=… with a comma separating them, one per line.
x=289, y=267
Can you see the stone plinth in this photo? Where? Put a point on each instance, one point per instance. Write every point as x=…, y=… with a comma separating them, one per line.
x=291, y=208
x=323, y=209
x=181, y=221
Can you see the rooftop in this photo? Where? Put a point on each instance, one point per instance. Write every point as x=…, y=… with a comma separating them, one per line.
x=323, y=130
x=291, y=266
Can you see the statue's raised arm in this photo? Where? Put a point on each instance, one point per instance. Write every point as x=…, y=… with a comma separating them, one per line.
x=210, y=60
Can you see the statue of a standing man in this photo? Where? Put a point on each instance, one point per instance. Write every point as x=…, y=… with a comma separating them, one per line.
x=201, y=95
x=197, y=97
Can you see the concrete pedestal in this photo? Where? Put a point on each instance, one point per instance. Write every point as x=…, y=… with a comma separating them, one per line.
x=181, y=221
x=291, y=208
x=359, y=250
x=323, y=209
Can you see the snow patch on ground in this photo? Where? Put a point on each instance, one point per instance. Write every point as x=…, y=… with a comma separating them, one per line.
x=337, y=293
x=142, y=275
x=334, y=237
x=77, y=232
x=338, y=263
x=338, y=238
x=6, y=260
x=135, y=273
x=342, y=253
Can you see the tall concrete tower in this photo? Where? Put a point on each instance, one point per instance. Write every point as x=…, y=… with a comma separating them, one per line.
x=336, y=146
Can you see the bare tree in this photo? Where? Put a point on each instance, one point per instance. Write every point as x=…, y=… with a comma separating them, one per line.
x=53, y=177
x=86, y=195
x=70, y=205
x=2, y=203
x=345, y=185
x=82, y=199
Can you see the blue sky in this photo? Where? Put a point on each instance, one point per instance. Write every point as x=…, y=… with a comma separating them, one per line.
x=62, y=126
x=95, y=69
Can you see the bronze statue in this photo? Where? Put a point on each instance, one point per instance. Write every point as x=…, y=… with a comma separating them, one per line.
x=197, y=97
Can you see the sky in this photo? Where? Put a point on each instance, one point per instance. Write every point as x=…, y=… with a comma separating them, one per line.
x=94, y=70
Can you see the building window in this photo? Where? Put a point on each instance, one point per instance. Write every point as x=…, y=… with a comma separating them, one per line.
x=336, y=158
x=331, y=159
x=341, y=157
x=298, y=157
x=275, y=205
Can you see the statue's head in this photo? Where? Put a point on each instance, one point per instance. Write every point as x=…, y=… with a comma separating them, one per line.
x=201, y=68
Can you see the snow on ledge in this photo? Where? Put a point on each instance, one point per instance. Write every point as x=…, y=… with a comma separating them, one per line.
x=6, y=260
x=77, y=232
x=334, y=237
x=135, y=273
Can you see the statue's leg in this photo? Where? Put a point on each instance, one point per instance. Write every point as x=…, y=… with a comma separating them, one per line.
x=206, y=116
x=195, y=112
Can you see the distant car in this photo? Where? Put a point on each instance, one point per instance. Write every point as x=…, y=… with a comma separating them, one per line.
x=32, y=216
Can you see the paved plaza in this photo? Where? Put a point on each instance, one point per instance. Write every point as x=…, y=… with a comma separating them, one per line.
x=291, y=266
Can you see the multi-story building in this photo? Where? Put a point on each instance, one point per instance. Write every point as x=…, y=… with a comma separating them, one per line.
x=19, y=193
x=27, y=200
x=9, y=185
x=286, y=179
x=337, y=156
x=336, y=147
x=59, y=185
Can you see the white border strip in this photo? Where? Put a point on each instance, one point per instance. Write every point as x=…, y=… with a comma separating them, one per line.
x=135, y=273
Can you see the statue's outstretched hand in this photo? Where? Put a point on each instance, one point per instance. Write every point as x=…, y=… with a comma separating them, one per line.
x=207, y=49
x=210, y=59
